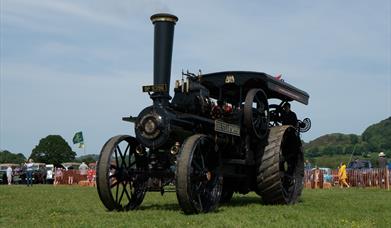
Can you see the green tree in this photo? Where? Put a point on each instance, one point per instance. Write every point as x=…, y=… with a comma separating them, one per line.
x=8, y=157
x=53, y=150
x=348, y=149
x=353, y=139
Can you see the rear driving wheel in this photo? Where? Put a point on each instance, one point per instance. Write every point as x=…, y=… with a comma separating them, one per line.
x=280, y=174
x=121, y=174
x=198, y=181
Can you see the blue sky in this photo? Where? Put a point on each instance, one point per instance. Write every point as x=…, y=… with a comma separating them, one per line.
x=68, y=66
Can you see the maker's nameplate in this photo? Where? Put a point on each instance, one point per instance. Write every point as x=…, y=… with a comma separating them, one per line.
x=227, y=128
x=155, y=88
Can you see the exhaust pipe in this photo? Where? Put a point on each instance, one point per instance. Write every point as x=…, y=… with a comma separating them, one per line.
x=163, y=42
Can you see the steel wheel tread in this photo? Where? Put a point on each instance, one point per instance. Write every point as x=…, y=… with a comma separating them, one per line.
x=269, y=180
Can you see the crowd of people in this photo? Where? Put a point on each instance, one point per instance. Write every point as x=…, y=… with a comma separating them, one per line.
x=360, y=169
x=31, y=174
x=85, y=173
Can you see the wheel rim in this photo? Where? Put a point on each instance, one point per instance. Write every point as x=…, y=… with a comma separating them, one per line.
x=121, y=174
x=199, y=187
x=256, y=113
x=289, y=165
x=287, y=171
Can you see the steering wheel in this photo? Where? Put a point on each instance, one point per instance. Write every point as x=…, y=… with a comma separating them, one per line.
x=275, y=113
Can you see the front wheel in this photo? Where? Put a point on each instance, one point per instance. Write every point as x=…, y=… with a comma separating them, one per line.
x=121, y=174
x=198, y=181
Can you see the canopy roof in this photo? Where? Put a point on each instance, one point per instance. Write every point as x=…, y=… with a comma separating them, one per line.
x=231, y=81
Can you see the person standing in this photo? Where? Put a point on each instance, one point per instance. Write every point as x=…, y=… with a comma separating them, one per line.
x=29, y=172
x=90, y=176
x=307, y=165
x=57, y=176
x=9, y=175
x=43, y=175
x=382, y=160
x=383, y=166
x=83, y=170
x=342, y=176
x=288, y=117
x=70, y=177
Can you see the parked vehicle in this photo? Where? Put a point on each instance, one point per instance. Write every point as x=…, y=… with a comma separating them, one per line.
x=360, y=164
x=3, y=171
x=3, y=176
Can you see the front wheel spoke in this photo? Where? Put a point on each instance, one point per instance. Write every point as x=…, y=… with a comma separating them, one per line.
x=121, y=156
x=131, y=164
x=116, y=193
x=127, y=195
x=119, y=151
x=126, y=151
x=123, y=191
x=116, y=158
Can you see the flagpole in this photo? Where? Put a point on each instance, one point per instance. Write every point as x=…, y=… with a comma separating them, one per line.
x=84, y=148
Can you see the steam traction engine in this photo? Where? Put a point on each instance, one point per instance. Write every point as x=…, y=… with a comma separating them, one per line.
x=216, y=136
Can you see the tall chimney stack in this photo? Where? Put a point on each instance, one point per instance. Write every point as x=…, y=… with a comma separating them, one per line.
x=163, y=42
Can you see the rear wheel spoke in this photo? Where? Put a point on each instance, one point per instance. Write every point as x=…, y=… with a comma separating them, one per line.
x=198, y=162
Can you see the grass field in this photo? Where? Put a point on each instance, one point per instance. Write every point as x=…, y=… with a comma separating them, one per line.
x=74, y=206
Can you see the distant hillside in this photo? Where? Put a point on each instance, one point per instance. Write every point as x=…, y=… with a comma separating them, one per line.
x=375, y=138
x=378, y=136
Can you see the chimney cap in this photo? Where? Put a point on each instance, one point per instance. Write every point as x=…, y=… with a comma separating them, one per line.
x=164, y=17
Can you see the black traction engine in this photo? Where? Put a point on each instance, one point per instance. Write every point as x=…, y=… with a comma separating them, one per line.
x=219, y=134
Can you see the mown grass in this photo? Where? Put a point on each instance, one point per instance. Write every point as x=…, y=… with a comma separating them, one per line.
x=74, y=206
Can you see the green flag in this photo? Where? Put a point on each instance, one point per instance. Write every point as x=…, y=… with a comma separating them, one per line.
x=78, y=138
